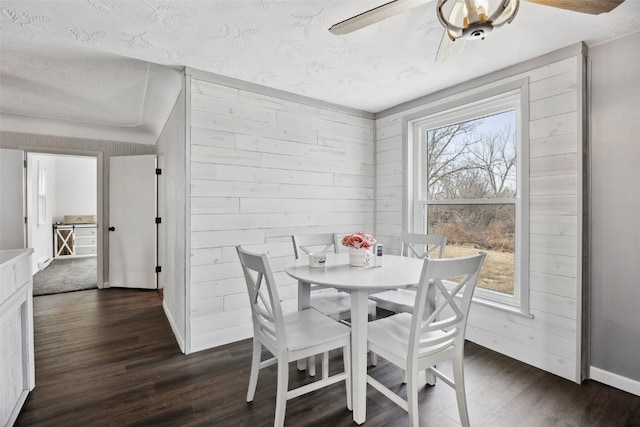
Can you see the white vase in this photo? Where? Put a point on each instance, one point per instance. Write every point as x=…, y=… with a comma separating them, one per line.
x=359, y=257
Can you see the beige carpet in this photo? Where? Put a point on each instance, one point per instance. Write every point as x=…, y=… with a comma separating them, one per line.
x=66, y=275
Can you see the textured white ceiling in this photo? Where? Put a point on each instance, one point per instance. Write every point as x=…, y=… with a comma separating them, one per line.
x=67, y=59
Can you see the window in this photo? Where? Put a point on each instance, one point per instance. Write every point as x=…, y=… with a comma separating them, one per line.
x=467, y=171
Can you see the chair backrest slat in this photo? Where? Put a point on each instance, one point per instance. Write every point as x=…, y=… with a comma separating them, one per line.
x=444, y=278
x=320, y=242
x=423, y=245
x=266, y=311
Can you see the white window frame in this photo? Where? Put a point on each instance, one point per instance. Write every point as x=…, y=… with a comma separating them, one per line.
x=509, y=97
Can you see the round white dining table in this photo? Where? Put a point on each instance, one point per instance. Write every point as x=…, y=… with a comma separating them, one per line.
x=360, y=282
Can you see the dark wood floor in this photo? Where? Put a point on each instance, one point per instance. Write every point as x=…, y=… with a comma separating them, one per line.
x=109, y=358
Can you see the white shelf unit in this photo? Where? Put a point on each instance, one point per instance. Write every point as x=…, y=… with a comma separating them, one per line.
x=75, y=240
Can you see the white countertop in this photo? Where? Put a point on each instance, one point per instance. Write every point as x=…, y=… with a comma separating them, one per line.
x=7, y=255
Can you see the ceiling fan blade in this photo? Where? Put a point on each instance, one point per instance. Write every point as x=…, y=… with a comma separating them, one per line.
x=450, y=48
x=593, y=7
x=375, y=15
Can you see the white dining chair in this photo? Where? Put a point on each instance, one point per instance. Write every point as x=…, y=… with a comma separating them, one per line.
x=335, y=304
x=418, y=246
x=289, y=338
x=415, y=345
x=331, y=302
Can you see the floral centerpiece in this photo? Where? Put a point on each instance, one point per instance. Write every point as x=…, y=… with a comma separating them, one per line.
x=359, y=245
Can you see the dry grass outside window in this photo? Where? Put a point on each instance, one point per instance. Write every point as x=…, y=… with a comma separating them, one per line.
x=497, y=272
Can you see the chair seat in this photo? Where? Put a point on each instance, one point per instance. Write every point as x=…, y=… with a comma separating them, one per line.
x=398, y=301
x=390, y=337
x=309, y=327
x=336, y=304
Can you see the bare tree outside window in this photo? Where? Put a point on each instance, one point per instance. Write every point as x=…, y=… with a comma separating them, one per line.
x=474, y=164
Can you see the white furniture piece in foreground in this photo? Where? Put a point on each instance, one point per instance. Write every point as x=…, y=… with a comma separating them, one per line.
x=419, y=246
x=360, y=282
x=17, y=363
x=415, y=345
x=289, y=338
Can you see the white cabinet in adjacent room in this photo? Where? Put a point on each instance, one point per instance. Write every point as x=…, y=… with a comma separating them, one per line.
x=77, y=240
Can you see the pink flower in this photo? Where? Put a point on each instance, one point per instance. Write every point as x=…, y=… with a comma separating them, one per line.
x=358, y=240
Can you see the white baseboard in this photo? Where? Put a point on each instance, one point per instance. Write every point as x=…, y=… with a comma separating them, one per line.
x=175, y=330
x=615, y=380
x=44, y=264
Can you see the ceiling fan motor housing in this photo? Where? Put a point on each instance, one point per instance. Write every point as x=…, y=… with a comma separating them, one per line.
x=477, y=30
x=476, y=21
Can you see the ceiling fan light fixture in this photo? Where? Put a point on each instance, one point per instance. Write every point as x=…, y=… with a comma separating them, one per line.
x=476, y=22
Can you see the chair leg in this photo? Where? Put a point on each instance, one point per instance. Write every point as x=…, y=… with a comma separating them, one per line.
x=458, y=379
x=346, y=356
x=374, y=357
x=255, y=370
x=412, y=399
x=281, y=391
x=430, y=377
x=312, y=366
x=325, y=365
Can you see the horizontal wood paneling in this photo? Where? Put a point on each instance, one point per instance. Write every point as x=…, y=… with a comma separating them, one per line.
x=280, y=205
x=567, y=204
x=540, y=358
x=551, y=145
x=523, y=333
x=262, y=169
x=549, y=340
x=201, y=205
x=553, y=185
x=213, y=138
x=553, y=86
x=553, y=105
x=250, y=221
x=248, y=126
x=553, y=284
x=553, y=244
x=554, y=125
x=562, y=164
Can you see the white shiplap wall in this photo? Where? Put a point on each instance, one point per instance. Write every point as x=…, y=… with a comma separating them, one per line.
x=263, y=168
x=551, y=340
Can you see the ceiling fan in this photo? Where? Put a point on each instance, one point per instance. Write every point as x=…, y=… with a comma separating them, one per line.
x=466, y=19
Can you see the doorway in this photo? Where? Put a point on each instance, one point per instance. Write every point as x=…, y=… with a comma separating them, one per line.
x=62, y=221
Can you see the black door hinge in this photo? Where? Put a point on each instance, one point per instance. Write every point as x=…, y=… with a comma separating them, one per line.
x=158, y=220
x=158, y=269
x=158, y=171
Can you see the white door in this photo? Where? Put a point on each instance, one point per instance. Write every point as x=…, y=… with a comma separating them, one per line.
x=132, y=222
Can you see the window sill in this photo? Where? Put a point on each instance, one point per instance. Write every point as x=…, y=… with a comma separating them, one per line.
x=502, y=306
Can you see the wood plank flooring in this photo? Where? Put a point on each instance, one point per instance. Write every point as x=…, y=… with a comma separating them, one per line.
x=109, y=358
